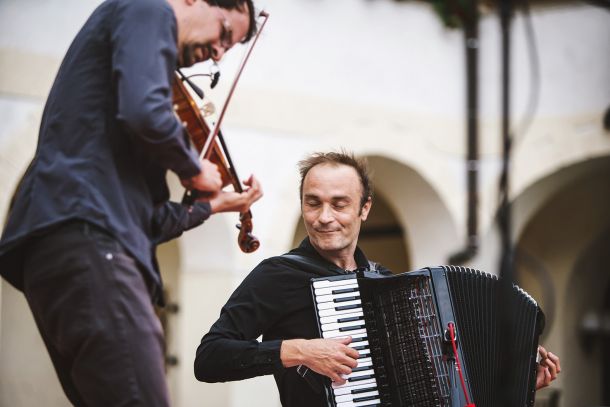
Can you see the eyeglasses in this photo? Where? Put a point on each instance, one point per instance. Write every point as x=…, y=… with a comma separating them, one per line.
x=226, y=33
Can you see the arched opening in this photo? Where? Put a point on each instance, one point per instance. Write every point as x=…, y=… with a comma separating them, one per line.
x=562, y=258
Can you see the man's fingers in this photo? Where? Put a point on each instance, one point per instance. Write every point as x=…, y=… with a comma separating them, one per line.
x=551, y=367
x=555, y=359
x=337, y=379
x=543, y=352
x=352, y=353
x=342, y=369
x=345, y=341
x=548, y=378
x=348, y=361
x=250, y=180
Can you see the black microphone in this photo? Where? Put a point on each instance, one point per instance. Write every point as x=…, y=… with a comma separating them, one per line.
x=215, y=77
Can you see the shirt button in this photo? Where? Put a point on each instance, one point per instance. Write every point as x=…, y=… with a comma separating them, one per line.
x=108, y=256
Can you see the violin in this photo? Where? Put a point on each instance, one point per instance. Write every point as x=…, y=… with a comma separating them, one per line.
x=211, y=145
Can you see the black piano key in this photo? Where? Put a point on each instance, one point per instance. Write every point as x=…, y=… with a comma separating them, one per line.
x=351, y=328
x=345, y=290
x=345, y=299
x=349, y=319
x=357, y=379
x=359, y=347
x=344, y=307
x=365, y=398
x=361, y=368
x=364, y=390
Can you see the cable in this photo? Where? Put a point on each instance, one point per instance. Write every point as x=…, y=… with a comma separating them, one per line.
x=459, y=366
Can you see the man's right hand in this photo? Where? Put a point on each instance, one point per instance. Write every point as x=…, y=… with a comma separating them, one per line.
x=208, y=180
x=328, y=357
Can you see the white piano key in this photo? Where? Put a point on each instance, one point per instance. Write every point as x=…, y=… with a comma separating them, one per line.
x=336, y=318
x=360, y=403
x=365, y=362
x=331, y=311
x=359, y=374
x=329, y=290
x=339, y=325
x=352, y=397
x=357, y=336
x=337, y=298
x=352, y=385
x=348, y=387
x=335, y=305
x=357, y=342
x=333, y=283
x=340, y=334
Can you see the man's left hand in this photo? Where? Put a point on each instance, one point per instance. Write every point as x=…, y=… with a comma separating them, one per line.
x=548, y=368
x=231, y=201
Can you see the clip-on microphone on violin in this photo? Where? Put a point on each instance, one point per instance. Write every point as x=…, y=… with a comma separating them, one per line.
x=214, y=76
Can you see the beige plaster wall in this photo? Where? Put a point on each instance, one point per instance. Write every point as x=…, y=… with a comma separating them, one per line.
x=382, y=78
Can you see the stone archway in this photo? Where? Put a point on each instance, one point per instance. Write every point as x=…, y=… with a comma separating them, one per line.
x=562, y=245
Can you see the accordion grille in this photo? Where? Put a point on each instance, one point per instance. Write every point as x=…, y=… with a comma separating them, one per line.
x=408, y=351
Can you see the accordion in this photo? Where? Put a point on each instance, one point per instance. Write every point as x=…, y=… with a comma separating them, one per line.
x=433, y=337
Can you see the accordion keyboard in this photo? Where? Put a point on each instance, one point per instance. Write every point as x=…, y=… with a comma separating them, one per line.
x=340, y=314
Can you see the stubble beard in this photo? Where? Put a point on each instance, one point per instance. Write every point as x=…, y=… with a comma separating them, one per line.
x=188, y=57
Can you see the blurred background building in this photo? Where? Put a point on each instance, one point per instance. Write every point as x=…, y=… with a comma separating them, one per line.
x=387, y=80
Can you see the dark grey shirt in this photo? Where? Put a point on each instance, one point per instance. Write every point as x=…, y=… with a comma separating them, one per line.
x=107, y=137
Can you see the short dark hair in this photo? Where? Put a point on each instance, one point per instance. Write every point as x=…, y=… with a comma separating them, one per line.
x=359, y=164
x=239, y=5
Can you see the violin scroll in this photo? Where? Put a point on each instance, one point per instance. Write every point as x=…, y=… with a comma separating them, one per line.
x=247, y=242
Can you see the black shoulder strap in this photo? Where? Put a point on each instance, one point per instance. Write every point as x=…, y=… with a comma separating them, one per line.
x=319, y=267
x=310, y=264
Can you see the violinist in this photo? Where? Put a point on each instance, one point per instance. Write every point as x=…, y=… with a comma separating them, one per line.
x=80, y=237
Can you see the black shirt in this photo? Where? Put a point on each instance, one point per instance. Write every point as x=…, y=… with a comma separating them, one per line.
x=274, y=301
x=108, y=134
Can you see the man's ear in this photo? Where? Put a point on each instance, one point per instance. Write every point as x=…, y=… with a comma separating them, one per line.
x=364, y=212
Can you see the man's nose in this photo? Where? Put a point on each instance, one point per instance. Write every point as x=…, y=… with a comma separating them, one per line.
x=217, y=52
x=326, y=215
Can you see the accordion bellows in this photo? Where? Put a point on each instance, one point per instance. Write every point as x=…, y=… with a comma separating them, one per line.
x=400, y=326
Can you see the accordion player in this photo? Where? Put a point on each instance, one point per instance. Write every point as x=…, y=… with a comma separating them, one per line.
x=433, y=337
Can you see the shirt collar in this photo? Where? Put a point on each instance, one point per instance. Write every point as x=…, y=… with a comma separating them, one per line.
x=361, y=260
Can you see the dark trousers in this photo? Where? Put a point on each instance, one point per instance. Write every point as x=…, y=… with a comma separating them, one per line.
x=94, y=312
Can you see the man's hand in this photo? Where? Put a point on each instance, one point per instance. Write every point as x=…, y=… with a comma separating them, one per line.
x=328, y=357
x=230, y=201
x=548, y=368
x=208, y=180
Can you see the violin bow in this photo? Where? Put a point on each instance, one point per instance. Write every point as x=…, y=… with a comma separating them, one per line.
x=206, y=150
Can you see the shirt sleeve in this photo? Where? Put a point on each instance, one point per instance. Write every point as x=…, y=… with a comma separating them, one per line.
x=143, y=62
x=230, y=350
x=171, y=219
